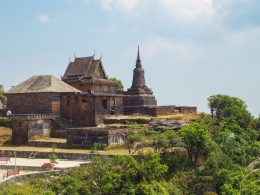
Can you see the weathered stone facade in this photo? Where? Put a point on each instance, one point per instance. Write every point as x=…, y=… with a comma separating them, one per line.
x=139, y=94
x=90, y=135
x=33, y=103
x=38, y=95
x=99, y=95
x=27, y=126
x=82, y=99
x=159, y=110
x=78, y=110
x=85, y=110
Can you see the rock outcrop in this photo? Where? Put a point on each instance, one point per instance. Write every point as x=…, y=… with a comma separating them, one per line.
x=163, y=124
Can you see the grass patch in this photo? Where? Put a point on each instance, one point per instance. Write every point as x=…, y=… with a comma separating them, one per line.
x=181, y=117
x=5, y=134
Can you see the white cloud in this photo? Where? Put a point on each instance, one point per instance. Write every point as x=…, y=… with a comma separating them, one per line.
x=127, y=5
x=189, y=9
x=43, y=18
x=74, y=1
x=106, y=4
x=182, y=51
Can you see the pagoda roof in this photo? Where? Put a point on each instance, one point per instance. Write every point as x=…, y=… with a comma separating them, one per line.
x=84, y=67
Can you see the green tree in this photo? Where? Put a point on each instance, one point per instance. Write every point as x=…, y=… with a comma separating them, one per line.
x=153, y=188
x=160, y=142
x=136, y=138
x=151, y=168
x=230, y=108
x=195, y=137
x=120, y=85
x=241, y=181
x=1, y=94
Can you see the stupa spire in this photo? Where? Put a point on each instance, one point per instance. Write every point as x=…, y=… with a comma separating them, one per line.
x=138, y=60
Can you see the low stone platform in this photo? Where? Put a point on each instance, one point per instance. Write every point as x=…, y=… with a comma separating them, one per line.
x=88, y=136
x=57, y=143
x=126, y=119
x=159, y=110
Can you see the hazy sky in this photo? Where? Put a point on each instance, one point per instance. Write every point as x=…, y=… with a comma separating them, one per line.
x=190, y=49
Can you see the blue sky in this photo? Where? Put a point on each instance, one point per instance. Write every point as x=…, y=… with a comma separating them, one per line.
x=190, y=49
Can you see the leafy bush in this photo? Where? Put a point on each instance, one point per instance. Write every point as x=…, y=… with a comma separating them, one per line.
x=5, y=122
x=118, y=82
x=53, y=156
x=216, y=154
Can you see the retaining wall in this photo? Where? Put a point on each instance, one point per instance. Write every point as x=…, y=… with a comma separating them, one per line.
x=159, y=110
x=60, y=155
x=28, y=176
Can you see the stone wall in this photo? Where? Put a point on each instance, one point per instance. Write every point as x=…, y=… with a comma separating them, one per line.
x=29, y=176
x=108, y=105
x=186, y=109
x=79, y=110
x=30, y=103
x=56, y=105
x=3, y=112
x=86, y=110
x=60, y=155
x=159, y=110
x=139, y=100
x=47, y=144
x=90, y=86
x=58, y=133
x=89, y=136
x=144, y=110
x=24, y=127
x=166, y=110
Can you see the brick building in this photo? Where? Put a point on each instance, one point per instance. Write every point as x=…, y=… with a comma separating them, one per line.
x=38, y=95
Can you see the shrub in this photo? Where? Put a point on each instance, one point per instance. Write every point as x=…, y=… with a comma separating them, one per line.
x=48, y=165
x=5, y=122
x=53, y=156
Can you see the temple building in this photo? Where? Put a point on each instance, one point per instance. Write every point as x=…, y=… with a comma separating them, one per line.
x=87, y=74
x=99, y=95
x=40, y=94
x=75, y=105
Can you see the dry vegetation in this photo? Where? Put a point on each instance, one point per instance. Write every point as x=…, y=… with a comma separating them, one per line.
x=180, y=117
x=5, y=134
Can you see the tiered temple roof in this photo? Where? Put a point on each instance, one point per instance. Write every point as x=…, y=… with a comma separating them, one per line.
x=85, y=68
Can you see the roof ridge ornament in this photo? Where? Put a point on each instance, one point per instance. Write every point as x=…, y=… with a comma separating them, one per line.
x=100, y=56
